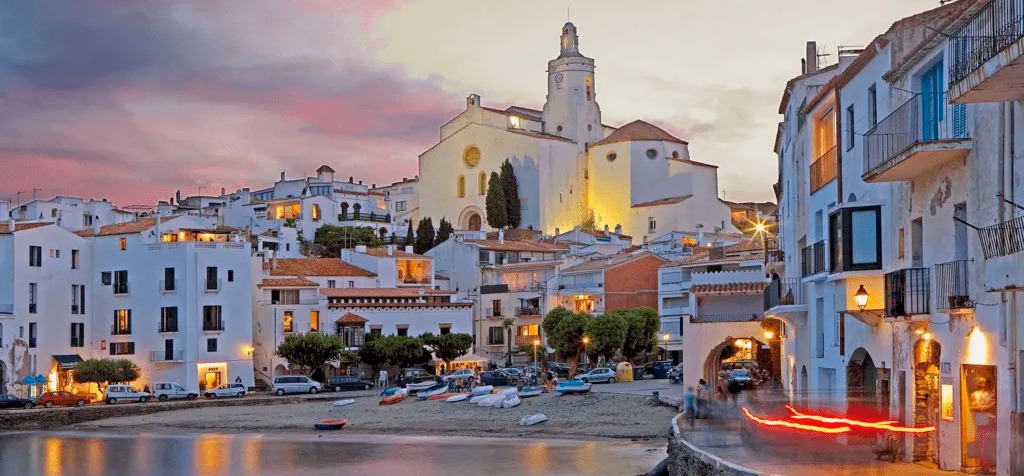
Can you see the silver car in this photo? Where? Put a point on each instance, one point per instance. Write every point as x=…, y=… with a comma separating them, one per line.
x=295, y=384
x=600, y=374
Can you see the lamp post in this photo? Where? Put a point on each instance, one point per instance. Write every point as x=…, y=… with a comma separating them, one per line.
x=664, y=348
x=586, y=343
x=536, y=343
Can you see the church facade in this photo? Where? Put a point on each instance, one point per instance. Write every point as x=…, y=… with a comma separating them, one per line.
x=570, y=167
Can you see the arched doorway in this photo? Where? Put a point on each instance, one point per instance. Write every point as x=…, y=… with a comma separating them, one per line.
x=861, y=378
x=475, y=223
x=355, y=210
x=735, y=353
x=804, y=383
x=383, y=232
x=344, y=209
x=926, y=398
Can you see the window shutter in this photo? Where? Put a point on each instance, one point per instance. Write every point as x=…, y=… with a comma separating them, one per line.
x=959, y=121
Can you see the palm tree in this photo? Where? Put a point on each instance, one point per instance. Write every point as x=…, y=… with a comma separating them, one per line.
x=507, y=324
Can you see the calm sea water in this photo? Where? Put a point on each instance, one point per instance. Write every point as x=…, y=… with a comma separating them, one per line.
x=91, y=454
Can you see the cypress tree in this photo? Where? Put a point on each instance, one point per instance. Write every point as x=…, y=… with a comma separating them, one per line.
x=409, y=238
x=510, y=186
x=497, y=211
x=424, y=235
x=444, y=231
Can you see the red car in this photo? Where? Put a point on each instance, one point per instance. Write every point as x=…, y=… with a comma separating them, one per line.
x=66, y=399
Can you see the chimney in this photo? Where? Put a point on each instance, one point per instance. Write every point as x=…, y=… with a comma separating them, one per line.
x=223, y=191
x=812, y=56
x=391, y=250
x=473, y=100
x=159, y=230
x=408, y=249
x=700, y=235
x=618, y=229
x=5, y=209
x=95, y=224
x=273, y=261
x=282, y=176
x=11, y=224
x=373, y=185
x=501, y=236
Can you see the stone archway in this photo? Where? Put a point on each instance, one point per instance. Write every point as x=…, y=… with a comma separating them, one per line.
x=730, y=351
x=861, y=377
x=471, y=219
x=926, y=398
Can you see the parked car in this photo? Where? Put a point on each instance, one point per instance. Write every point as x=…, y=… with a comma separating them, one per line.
x=348, y=382
x=10, y=401
x=407, y=376
x=295, y=384
x=458, y=374
x=164, y=391
x=227, y=390
x=125, y=393
x=61, y=399
x=494, y=377
x=560, y=369
x=675, y=374
x=740, y=378
x=600, y=374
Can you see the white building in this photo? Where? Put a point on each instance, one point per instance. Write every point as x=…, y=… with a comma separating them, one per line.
x=403, y=203
x=71, y=213
x=569, y=166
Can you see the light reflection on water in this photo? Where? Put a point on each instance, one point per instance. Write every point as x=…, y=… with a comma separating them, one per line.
x=87, y=454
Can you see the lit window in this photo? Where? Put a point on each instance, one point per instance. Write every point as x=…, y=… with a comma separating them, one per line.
x=315, y=212
x=124, y=244
x=462, y=186
x=314, y=321
x=287, y=321
x=513, y=121
x=483, y=183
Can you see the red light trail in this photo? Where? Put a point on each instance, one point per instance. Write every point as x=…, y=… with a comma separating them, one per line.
x=846, y=428
x=797, y=426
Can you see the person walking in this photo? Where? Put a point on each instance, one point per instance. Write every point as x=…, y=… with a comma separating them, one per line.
x=382, y=379
x=690, y=405
x=702, y=397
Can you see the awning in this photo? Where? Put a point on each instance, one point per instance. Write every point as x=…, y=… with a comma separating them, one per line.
x=67, y=361
x=464, y=358
x=528, y=296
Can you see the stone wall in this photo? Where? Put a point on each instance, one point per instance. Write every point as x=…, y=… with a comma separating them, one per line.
x=685, y=459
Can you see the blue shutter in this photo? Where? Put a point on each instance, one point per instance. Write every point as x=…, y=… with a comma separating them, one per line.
x=959, y=121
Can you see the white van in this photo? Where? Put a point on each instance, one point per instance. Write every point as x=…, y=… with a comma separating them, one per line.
x=295, y=384
x=125, y=393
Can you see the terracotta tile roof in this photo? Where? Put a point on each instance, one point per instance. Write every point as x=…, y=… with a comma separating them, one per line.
x=288, y=283
x=662, y=201
x=127, y=228
x=20, y=227
x=398, y=253
x=638, y=131
x=352, y=318
x=729, y=288
x=612, y=261
x=325, y=168
x=743, y=251
x=528, y=265
x=517, y=245
x=314, y=267
x=398, y=304
x=382, y=292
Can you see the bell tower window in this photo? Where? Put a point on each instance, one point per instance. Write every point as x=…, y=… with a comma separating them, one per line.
x=462, y=186
x=483, y=184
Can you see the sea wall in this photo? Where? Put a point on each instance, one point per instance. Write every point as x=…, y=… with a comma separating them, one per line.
x=685, y=459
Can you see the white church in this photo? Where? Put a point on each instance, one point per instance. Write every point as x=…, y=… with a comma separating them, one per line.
x=568, y=164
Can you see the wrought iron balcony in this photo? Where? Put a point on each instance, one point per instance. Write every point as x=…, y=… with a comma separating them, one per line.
x=527, y=311
x=165, y=356
x=120, y=289
x=716, y=318
x=370, y=217
x=784, y=292
x=985, y=52
x=952, y=286
x=120, y=331
x=907, y=292
x=823, y=170
x=213, y=325
x=1002, y=239
x=917, y=137
x=524, y=340
x=813, y=261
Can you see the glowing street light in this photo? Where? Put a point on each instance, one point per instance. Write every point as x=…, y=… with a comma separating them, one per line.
x=769, y=335
x=861, y=297
x=536, y=343
x=665, y=338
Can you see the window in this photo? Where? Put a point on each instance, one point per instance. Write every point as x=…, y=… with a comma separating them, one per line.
x=529, y=330
x=105, y=278
x=33, y=296
x=122, y=348
x=122, y=322
x=483, y=184
x=35, y=256
x=284, y=296
x=872, y=106
x=168, y=319
x=445, y=329
x=652, y=224
x=74, y=259
x=353, y=336
x=212, y=318
x=123, y=243
x=231, y=275
x=211, y=279
x=288, y=322
x=351, y=284
x=652, y=154
x=77, y=299
x=211, y=345
x=855, y=240
x=901, y=237
x=32, y=335
x=332, y=283
x=849, y=127
x=375, y=330
x=611, y=156
x=400, y=206
x=495, y=335
x=314, y=321
x=402, y=330
x=314, y=212
x=169, y=280
x=496, y=308
x=77, y=334
x=121, y=282
x=54, y=253
x=462, y=186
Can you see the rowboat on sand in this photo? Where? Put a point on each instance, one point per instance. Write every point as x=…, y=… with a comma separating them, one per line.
x=330, y=425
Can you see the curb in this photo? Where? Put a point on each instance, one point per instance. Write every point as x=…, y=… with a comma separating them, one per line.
x=711, y=459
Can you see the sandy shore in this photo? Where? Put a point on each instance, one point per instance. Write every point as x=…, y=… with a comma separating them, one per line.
x=598, y=415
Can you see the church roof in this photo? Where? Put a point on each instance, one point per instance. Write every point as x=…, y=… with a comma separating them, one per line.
x=639, y=131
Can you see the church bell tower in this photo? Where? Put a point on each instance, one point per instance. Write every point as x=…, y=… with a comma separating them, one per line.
x=571, y=109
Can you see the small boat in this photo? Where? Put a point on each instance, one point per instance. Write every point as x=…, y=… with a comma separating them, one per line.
x=530, y=392
x=392, y=399
x=533, y=419
x=330, y=425
x=391, y=391
x=442, y=396
x=572, y=386
x=507, y=392
x=341, y=403
x=482, y=390
x=491, y=400
x=435, y=390
x=508, y=402
x=459, y=397
x=479, y=398
x=415, y=387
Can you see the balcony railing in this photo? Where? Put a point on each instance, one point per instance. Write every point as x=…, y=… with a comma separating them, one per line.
x=120, y=331
x=813, y=261
x=907, y=292
x=6, y=308
x=213, y=326
x=952, y=286
x=823, y=170
x=524, y=340
x=212, y=285
x=494, y=313
x=784, y=292
x=1002, y=239
x=713, y=318
x=371, y=217
x=164, y=356
x=120, y=289
x=168, y=327
x=924, y=118
x=997, y=25
x=527, y=311
x=168, y=286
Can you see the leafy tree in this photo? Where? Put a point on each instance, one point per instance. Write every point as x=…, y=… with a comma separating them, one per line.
x=424, y=235
x=643, y=325
x=409, y=238
x=402, y=351
x=607, y=333
x=494, y=202
x=565, y=330
x=312, y=350
x=449, y=347
x=371, y=353
x=445, y=230
x=336, y=238
x=510, y=186
x=507, y=324
x=104, y=371
x=590, y=222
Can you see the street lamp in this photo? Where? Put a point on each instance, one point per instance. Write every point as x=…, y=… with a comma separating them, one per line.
x=665, y=338
x=536, y=343
x=769, y=335
x=861, y=297
x=586, y=342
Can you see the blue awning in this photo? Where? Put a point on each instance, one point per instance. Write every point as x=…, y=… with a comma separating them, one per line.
x=67, y=361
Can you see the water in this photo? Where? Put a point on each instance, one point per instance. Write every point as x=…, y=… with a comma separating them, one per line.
x=92, y=454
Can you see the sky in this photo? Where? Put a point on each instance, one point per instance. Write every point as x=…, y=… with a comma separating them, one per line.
x=132, y=101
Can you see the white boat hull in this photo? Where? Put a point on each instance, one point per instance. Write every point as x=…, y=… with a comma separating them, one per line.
x=341, y=403
x=491, y=400
x=415, y=387
x=431, y=393
x=508, y=402
x=484, y=390
x=533, y=419
x=532, y=392
x=457, y=398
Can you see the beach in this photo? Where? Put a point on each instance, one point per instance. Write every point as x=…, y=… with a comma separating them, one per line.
x=597, y=415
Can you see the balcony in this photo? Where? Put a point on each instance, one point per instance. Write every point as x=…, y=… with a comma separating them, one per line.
x=164, y=356
x=907, y=292
x=524, y=340
x=952, y=286
x=813, y=259
x=527, y=311
x=115, y=330
x=1002, y=239
x=213, y=326
x=370, y=217
x=823, y=170
x=985, y=55
x=168, y=286
x=213, y=285
x=919, y=136
x=168, y=328
x=717, y=318
x=120, y=289
x=492, y=313
x=784, y=292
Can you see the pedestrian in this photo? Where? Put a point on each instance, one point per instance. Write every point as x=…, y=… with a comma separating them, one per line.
x=238, y=379
x=383, y=379
x=690, y=405
x=703, y=395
